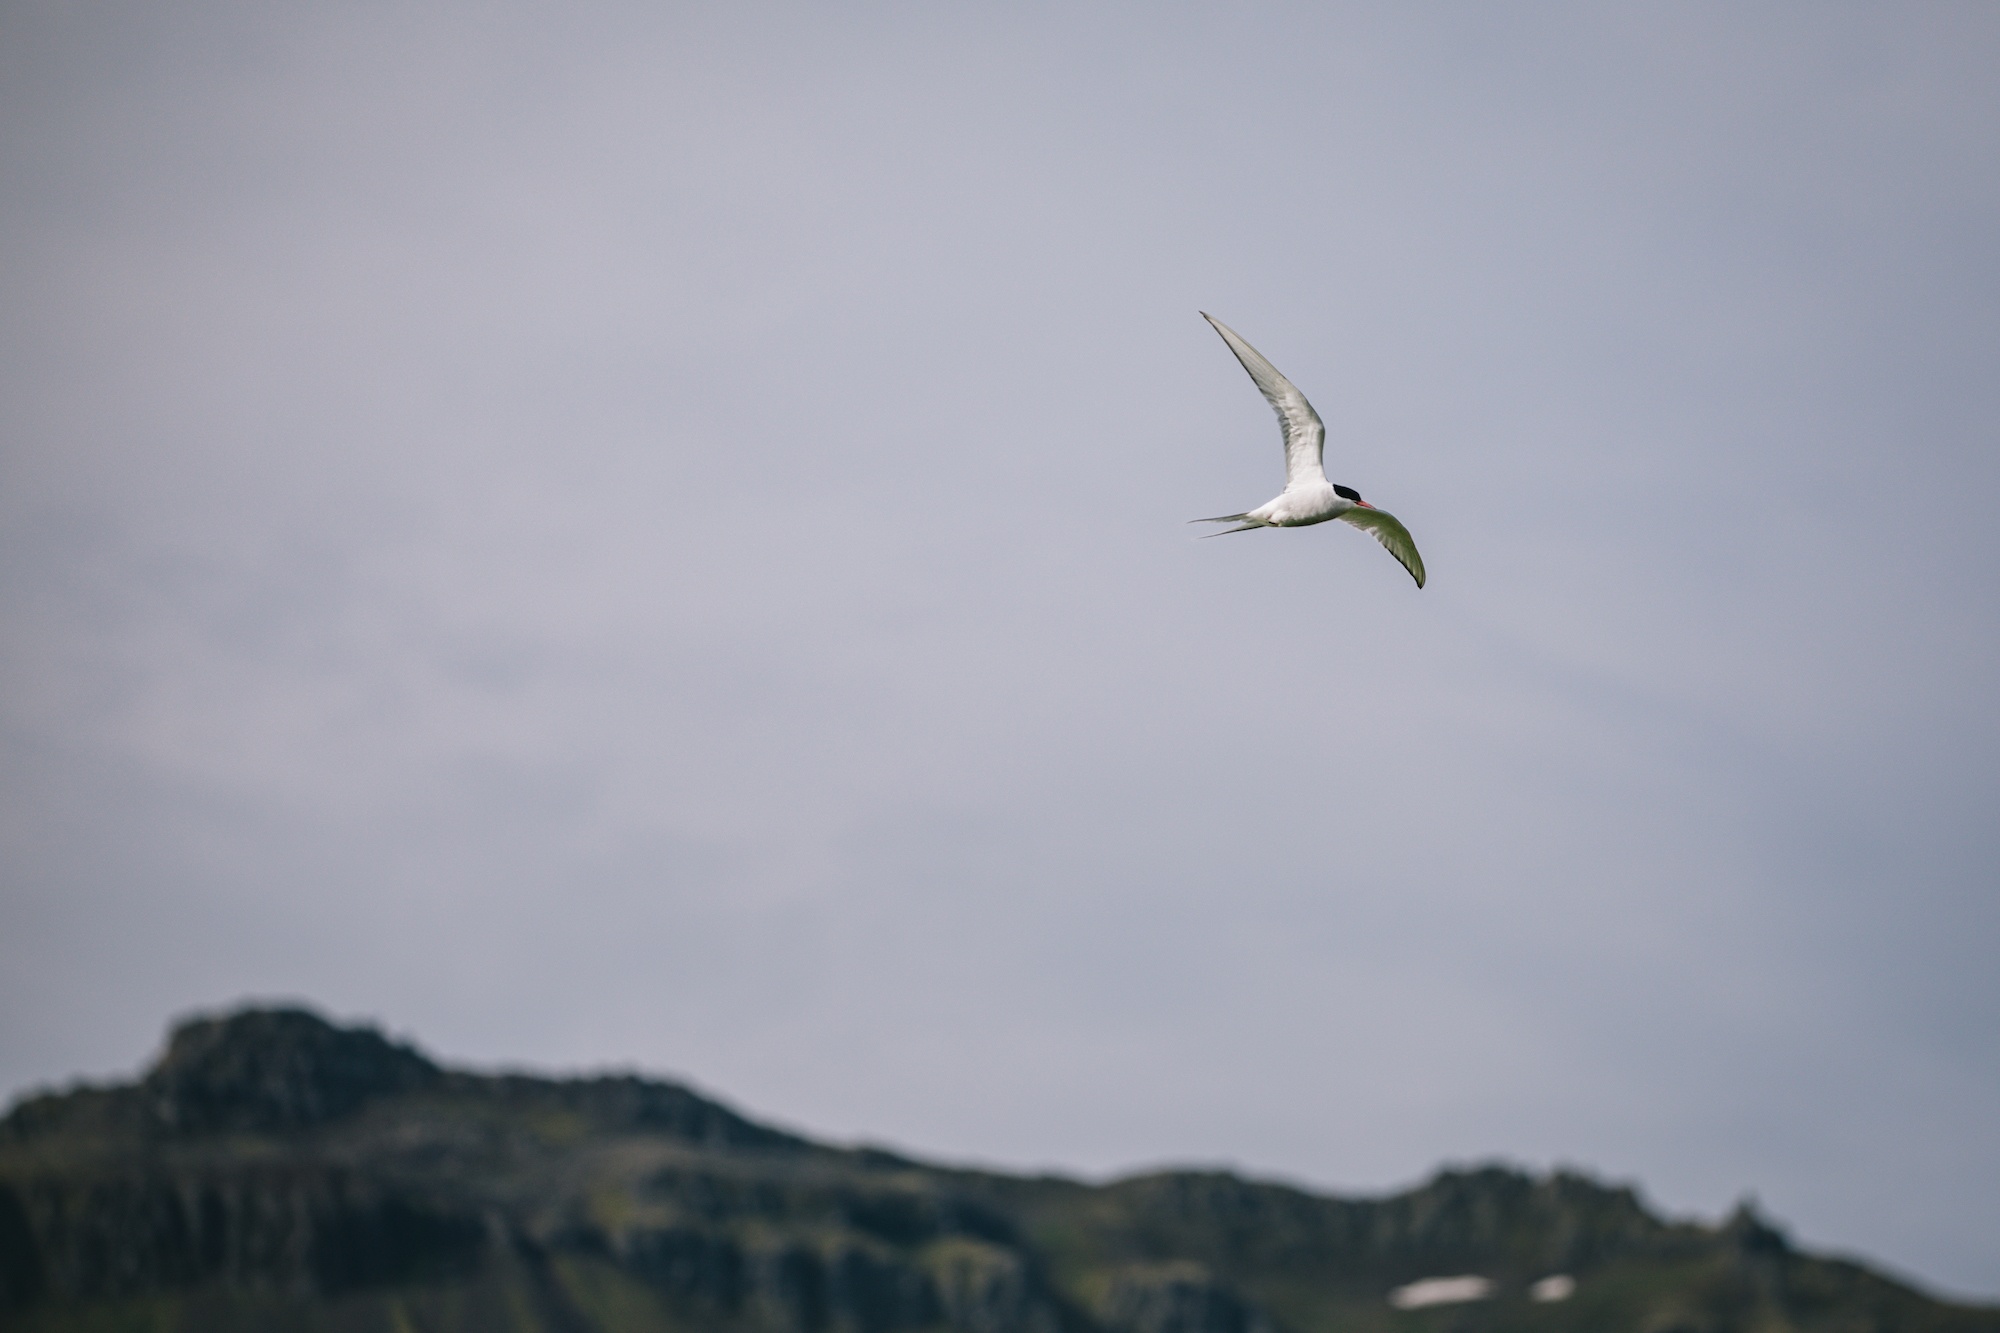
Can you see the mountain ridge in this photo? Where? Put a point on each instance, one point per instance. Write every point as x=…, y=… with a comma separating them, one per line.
x=273, y=1169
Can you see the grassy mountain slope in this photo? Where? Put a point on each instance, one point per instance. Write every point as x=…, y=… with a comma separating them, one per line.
x=273, y=1171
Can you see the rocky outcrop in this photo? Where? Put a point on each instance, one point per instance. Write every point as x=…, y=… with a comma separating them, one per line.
x=985, y=1288
x=257, y=1071
x=273, y=1070
x=302, y=1231
x=1482, y=1219
x=1175, y=1298
x=275, y=1170
x=22, y=1281
x=769, y=1267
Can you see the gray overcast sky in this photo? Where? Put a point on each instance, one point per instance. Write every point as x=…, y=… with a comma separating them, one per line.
x=655, y=535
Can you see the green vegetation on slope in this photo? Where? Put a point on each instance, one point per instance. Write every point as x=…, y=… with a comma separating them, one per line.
x=275, y=1171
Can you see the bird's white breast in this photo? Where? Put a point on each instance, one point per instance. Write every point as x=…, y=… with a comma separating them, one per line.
x=1300, y=506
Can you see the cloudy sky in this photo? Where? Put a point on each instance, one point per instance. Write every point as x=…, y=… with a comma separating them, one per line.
x=655, y=535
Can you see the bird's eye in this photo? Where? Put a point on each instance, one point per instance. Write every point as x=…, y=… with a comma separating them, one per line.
x=1346, y=492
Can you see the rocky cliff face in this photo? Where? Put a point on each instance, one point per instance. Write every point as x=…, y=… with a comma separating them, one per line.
x=273, y=1170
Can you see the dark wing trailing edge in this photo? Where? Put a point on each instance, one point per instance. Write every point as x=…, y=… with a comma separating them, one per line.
x=1383, y=527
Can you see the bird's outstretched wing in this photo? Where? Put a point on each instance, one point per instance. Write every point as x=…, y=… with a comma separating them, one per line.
x=1383, y=527
x=1305, y=434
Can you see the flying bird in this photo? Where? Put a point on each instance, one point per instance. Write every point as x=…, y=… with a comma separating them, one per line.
x=1308, y=496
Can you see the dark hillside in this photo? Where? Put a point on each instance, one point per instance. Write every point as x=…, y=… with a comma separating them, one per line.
x=275, y=1171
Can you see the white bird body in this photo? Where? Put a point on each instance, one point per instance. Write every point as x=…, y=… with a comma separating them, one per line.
x=1308, y=496
x=1298, y=507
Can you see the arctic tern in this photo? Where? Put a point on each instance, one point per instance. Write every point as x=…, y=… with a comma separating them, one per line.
x=1308, y=496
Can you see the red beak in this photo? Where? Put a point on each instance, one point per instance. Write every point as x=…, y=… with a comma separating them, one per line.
x=1364, y=504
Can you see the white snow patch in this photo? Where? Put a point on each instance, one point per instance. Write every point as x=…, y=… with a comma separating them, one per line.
x=1441, y=1291
x=1555, y=1287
